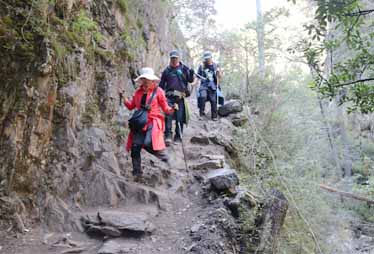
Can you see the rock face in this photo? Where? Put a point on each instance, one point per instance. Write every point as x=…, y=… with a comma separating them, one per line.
x=59, y=96
x=233, y=106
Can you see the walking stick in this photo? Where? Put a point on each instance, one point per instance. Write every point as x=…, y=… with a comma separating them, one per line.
x=183, y=148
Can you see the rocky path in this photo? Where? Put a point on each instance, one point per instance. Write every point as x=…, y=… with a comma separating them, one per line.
x=176, y=210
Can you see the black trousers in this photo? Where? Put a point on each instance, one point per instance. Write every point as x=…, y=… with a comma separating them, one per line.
x=141, y=140
x=178, y=116
x=211, y=96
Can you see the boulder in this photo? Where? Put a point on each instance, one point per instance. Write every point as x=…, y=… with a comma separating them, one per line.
x=223, y=179
x=233, y=106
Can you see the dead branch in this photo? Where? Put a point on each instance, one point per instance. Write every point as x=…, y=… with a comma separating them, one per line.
x=347, y=194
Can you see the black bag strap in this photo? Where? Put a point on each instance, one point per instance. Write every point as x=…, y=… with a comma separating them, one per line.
x=148, y=105
x=182, y=79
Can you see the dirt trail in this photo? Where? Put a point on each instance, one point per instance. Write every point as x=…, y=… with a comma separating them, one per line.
x=174, y=200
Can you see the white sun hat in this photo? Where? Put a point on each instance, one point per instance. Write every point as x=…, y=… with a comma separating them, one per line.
x=147, y=73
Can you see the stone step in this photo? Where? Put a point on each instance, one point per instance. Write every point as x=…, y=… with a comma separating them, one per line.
x=114, y=223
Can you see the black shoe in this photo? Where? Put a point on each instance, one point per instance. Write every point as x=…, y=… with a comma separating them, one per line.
x=140, y=179
x=137, y=176
x=177, y=139
x=215, y=118
x=167, y=141
x=202, y=113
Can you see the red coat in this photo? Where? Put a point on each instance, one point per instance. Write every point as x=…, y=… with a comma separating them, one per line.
x=155, y=116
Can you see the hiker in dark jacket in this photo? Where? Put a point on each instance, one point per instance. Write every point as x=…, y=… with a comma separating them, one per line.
x=209, y=81
x=174, y=81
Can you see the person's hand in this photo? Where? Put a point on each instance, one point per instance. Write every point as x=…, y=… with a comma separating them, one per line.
x=192, y=72
x=175, y=107
x=127, y=100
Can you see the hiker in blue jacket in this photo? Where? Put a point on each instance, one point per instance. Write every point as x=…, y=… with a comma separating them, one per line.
x=209, y=81
x=174, y=81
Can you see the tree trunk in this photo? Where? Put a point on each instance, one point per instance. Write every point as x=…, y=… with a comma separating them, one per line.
x=346, y=164
x=247, y=73
x=273, y=218
x=333, y=148
x=260, y=39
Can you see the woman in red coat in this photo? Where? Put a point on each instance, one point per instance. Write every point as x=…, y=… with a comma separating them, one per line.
x=151, y=137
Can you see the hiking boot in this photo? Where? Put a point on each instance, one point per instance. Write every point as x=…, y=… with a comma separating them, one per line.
x=167, y=162
x=215, y=119
x=137, y=166
x=177, y=140
x=140, y=179
x=168, y=141
x=201, y=114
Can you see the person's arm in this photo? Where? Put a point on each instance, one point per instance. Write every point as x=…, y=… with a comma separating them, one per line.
x=162, y=83
x=190, y=74
x=162, y=101
x=130, y=103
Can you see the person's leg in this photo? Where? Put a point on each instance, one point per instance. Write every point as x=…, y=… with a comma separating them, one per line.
x=203, y=99
x=179, y=119
x=213, y=103
x=138, y=140
x=169, y=123
x=149, y=148
x=162, y=155
x=136, y=160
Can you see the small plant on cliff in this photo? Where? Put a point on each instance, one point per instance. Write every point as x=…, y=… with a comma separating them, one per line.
x=123, y=5
x=85, y=29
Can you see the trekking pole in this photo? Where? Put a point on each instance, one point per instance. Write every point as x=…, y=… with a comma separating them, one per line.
x=200, y=77
x=183, y=149
x=217, y=98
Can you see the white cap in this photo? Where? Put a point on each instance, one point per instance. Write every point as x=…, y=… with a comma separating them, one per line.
x=147, y=73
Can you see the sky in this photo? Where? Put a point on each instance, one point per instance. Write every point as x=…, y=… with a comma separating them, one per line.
x=235, y=13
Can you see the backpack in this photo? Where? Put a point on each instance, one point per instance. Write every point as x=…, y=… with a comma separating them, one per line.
x=140, y=117
x=215, y=69
x=212, y=83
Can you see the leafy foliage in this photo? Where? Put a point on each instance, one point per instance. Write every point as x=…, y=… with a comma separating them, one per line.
x=344, y=33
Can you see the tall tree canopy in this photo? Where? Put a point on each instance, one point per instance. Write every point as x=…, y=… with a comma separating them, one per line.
x=346, y=27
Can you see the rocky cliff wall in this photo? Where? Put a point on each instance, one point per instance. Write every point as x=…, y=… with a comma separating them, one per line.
x=62, y=64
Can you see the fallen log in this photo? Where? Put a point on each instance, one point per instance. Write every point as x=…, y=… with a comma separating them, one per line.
x=347, y=194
